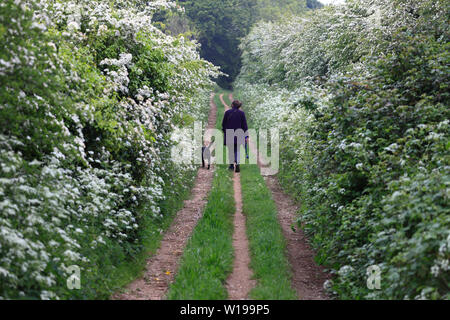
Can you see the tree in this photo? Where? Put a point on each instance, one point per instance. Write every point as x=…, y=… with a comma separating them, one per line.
x=222, y=24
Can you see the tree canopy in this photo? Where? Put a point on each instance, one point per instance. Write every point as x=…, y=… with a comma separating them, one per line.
x=223, y=23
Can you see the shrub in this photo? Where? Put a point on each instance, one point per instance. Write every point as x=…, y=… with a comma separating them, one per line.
x=90, y=93
x=365, y=138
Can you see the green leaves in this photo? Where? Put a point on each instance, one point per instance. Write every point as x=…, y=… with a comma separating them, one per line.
x=222, y=24
x=368, y=159
x=89, y=91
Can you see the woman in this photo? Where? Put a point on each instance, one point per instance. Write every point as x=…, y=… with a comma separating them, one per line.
x=234, y=124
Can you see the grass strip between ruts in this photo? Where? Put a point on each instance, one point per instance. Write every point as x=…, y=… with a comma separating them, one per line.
x=267, y=243
x=208, y=258
x=220, y=111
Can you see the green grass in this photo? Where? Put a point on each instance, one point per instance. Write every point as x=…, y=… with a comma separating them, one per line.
x=267, y=243
x=208, y=258
x=225, y=93
x=220, y=111
x=226, y=97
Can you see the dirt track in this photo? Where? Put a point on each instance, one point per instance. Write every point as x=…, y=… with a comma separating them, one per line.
x=307, y=277
x=162, y=267
x=239, y=283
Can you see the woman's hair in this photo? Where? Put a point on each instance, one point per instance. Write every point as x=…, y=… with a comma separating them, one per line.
x=236, y=104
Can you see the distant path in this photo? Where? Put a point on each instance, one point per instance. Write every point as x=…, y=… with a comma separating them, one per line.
x=223, y=102
x=239, y=283
x=307, y=277
x=162, y=267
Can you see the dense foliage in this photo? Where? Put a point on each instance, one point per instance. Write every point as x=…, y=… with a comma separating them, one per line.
x=361, y=95
x=222, y=23
x=271, y=10
x=90, y=92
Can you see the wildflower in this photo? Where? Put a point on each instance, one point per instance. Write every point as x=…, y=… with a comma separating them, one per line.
x=102, y=29
x=345, y=271
x=73, y=26
x=435, y=270
x=52, y=45
x=47, y=295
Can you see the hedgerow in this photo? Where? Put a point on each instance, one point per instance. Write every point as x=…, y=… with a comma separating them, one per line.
x=360, y=93
x=90, y=92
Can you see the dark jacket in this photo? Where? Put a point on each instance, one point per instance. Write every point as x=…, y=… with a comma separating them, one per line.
x=234, y=119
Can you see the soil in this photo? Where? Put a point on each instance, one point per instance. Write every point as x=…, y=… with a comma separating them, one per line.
x=307, y=277
x=240, y=281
